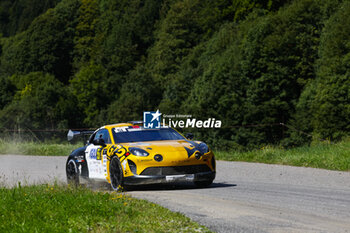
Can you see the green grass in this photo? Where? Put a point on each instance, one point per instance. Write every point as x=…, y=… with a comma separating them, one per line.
x=35, y=148
x=322, y=155
x=46, y=208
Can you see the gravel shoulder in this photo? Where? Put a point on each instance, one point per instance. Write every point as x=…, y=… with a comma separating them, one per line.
x=245, y=197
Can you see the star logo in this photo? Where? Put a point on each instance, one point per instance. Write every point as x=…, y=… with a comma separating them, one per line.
x=156, y=115
x=151, y=120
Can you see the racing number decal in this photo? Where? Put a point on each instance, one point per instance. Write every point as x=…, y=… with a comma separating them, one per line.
x=96, y=153
x=118, y=150
x=93, y=153
x=96, y=162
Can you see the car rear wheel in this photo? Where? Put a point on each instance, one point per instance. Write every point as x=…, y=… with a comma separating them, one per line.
x=72, y=172
x=116, y=174
x=203, y=184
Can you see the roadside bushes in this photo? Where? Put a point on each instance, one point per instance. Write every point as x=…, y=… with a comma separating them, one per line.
x=40, y=101
x=325, y=103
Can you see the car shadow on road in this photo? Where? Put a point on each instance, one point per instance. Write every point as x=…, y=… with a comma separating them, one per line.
x=178, y=186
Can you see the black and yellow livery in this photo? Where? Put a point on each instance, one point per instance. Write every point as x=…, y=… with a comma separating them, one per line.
x=128, y=154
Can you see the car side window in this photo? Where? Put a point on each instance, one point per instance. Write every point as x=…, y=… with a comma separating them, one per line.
x=103, y=133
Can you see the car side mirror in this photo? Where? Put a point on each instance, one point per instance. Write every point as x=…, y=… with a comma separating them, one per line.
x=189, y=136
x=99, y=142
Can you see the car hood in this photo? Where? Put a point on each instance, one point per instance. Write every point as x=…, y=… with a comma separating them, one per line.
x=164, y=146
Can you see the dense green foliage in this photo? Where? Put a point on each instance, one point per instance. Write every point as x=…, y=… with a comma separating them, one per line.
x=17, y=15
x=86, y=63
x=54, y=208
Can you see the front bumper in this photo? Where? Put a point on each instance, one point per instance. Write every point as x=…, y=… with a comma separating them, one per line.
x=161, y=179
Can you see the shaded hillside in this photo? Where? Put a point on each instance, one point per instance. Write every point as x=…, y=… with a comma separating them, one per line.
x=85, y=63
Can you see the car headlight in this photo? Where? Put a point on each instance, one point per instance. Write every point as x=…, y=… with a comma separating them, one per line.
x=203, y=148
x=138, y=151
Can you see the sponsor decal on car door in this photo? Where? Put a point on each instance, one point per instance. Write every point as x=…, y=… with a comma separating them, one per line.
x=96, y=158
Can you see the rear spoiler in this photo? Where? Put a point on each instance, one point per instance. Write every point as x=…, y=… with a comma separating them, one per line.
x=73, y=134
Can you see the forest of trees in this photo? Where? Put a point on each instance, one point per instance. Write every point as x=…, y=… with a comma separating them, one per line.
x=253, y=64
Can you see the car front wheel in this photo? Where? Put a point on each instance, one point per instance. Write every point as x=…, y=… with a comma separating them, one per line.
x=116, y=173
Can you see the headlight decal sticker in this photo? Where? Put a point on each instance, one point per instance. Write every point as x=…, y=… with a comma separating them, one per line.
x=190, y=152
x=200, y=147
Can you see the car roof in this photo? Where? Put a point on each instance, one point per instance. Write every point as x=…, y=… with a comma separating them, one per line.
x=117, y=125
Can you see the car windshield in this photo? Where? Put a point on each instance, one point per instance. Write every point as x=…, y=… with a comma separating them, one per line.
x=130, y=134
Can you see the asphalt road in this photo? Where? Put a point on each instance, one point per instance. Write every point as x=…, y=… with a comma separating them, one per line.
x=245, y=197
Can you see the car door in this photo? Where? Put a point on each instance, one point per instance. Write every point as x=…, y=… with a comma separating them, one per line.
x=96, y=156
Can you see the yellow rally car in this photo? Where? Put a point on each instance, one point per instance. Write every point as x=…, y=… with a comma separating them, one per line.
x=129, y=154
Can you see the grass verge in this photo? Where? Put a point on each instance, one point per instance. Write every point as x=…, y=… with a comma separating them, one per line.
x=45, y=208
x=34, y=148
x=322, y=155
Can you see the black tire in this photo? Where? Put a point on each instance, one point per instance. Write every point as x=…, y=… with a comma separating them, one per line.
x=203, y=184
x=72, y=172
x=116, y=174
